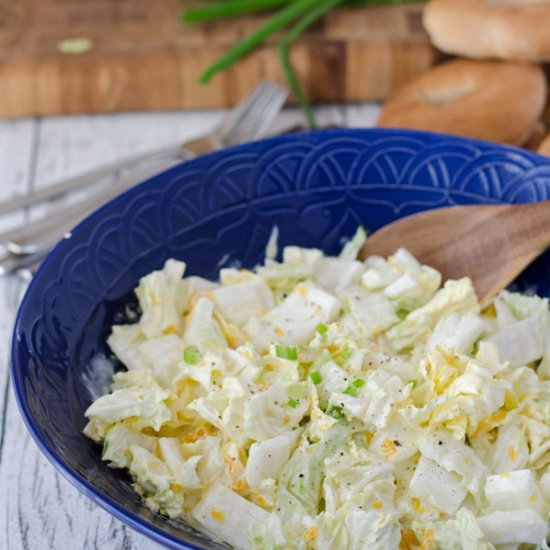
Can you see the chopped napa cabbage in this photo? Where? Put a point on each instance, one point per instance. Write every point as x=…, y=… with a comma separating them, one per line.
x=522, y=342
x=372, y=313
x=202, y=330
x=378, y=274
x=266, y=459
x=324, y=402
x=127, y=379
x=333, y=379
x=337, y=274
x=267, y=535
x=240, y=301
x=373, y=530
x=523, y=306
x=163, y=354
x=510, y=451
x=461, y=533
x=197, y=285
x=332, y=532
x=402, y=261
x=398, y=441
x=455, y=456
x=228, y=516
x=162, y=299
x=469, y=402
x=147, y=405
x=372, y=402
x=184, y=471
x=437, y=486
x=355, y=477
x=456, y=296
x=519, y=526
x=294, y=320
x=124, y=341
x=375, y=358
x=119, y=440
x=414, y=288
x=153, y=481
x=273, y=412
x=545, y=485
x=352, y=248
x=211, y=466
x=457, y=332
x=303, y=474
x=515, y=490
x=223, y=409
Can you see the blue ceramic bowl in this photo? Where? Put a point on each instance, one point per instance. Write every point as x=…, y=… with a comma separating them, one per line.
x=219, y=210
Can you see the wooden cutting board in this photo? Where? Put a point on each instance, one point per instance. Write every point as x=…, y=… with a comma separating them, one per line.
x=141, y=57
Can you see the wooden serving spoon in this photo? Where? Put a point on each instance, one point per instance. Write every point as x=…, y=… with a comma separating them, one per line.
x=489, y=244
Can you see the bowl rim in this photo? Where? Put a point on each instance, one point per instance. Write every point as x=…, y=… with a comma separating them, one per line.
x=76, y=479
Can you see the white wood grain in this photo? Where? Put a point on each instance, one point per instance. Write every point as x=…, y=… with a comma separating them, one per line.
x=17, y=144
x=39, y=509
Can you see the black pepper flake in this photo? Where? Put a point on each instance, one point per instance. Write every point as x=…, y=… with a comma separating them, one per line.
x=397, y=443
x=301, y=475
x=440, y=442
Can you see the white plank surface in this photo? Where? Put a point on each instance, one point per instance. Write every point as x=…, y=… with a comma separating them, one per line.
x=39, y=509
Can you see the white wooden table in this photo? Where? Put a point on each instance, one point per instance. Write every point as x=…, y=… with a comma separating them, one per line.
x=40, y=510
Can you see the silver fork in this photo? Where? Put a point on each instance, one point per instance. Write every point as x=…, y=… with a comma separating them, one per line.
x=25, y=247
x=249, y=120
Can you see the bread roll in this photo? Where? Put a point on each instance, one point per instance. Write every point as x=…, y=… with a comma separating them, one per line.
x=487, y=100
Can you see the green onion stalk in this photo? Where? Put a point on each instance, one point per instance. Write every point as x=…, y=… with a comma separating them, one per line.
x=294, y=15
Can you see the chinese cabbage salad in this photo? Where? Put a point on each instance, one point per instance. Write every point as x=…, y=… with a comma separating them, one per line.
x=328, y=403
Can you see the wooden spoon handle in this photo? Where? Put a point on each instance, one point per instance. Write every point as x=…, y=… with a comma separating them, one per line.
x=528, y=227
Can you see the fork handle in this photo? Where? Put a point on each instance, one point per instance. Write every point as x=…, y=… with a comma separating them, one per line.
x=41, y=235
x=176, y=152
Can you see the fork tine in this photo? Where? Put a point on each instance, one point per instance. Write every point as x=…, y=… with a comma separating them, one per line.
x=253, y=115
x=260, y=92
x=260, y=116
x=259, y=121
x=245, y=123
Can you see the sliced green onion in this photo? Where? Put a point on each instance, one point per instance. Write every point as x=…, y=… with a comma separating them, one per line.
x=300, y=13
x=321, y=329
x=213, y=12
x=281, y=19
x=343, y=356
x=355, y=385
x=316, y=12
x=292, y=403
x=286, y=352
x=191, y=355
x=316, y=377
x=75, y=46
x=336, y=413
